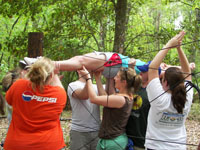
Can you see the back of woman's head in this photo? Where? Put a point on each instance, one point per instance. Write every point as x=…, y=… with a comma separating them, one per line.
x=175, y=81
x=10, y=78
x=133, y=80
x=40, y=72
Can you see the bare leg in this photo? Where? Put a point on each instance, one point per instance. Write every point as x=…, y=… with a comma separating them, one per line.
x=91, y=61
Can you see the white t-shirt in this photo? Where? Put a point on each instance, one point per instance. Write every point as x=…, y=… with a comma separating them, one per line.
x=166, y=126
x=85, y=115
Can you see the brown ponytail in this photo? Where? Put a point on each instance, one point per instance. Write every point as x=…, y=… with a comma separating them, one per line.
x=175, y=80
x=133, y=80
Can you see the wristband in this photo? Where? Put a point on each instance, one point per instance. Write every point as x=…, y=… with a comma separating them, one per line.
x=88, y=79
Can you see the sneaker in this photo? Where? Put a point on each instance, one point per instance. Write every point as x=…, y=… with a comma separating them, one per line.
x=29, y=61
x=22, y=64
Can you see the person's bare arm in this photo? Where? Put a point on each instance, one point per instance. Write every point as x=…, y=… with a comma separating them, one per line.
x=112, y=101
x=91, y=61
x=56, y=81
x=100, y=88
x=110, y=86
x=153, y=73
x=81, y=94
x=184, y=63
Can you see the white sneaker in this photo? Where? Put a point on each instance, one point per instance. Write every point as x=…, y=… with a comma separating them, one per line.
x=23, y=62
x=30, y=60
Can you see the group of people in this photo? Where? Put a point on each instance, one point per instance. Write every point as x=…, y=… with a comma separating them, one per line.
x=143, y=107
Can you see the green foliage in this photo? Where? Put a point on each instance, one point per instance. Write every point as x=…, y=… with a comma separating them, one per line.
x=75, y=27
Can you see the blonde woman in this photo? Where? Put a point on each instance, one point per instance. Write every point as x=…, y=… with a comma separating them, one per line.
x=37, y=104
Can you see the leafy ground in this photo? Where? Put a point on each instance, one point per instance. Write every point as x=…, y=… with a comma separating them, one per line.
x=192, y=127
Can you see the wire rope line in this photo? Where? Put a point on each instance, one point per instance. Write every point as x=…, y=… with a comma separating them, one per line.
x=154, y=100
x=172, y=46
x=166, y=141
x=150, y=101
x=92, y=117
x=197, y=87
x=170, y=141
x=84, y=105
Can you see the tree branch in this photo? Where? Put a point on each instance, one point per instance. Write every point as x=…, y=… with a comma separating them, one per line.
x=26, y=25
x=132, y=41
x=186, y=3
x=92, y=34
x=14, y=25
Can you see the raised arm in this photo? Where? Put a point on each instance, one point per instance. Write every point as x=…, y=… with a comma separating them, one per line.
x=112, y=101
x=185, y=67
x=153, y=67
x=56, y=81
x=81, y=94
x=100, y=88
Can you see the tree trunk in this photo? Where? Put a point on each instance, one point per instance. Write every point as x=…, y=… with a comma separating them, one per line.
x=102, y=35
x=35, y=43
x=120, y=26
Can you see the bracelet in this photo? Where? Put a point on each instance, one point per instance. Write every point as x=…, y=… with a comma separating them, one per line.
x=88, y=79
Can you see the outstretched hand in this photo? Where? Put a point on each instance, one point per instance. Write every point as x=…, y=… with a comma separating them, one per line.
x=176, y=40
x=84, y=73
x=192, y=66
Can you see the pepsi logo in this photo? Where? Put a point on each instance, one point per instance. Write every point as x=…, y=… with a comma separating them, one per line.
x=27, y=96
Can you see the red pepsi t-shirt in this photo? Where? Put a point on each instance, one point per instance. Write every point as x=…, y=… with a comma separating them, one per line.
x=35, y=121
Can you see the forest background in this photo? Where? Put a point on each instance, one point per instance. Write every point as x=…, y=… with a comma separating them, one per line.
x=136, y=28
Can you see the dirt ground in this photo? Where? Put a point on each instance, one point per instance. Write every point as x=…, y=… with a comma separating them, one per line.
x=192, y=127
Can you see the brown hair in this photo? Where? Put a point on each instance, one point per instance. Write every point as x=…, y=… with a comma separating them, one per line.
x=7, y=81
x=175, y=81
x=2, y=104
x=10, y=78
x=133, y=80
x=39, y=72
